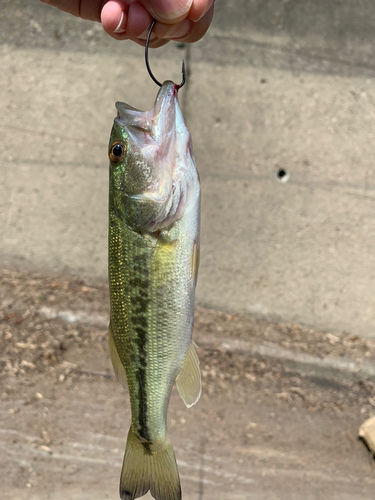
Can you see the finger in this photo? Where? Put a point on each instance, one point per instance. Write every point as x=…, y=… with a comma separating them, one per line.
x=198, y=29
x=199, y=8
x=89, y=9
x=174, y=31
x=154, y=44
x=167, y=11
x=70, y=6
x=139, y=21
x=114, y=17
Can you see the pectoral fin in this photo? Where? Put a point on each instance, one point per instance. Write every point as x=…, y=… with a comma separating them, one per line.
x=164, y=254
x=118, y=367
x=188, y=381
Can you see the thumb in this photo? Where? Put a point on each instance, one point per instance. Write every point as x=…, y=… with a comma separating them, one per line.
x=168, y=11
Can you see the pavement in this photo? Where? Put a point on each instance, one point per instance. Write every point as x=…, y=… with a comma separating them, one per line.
x=279, y=415
x=276, y=86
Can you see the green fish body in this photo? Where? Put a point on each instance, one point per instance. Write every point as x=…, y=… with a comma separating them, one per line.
x=154, y=218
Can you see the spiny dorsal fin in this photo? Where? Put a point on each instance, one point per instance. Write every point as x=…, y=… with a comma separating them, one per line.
x=188, y=381
x=118, y=367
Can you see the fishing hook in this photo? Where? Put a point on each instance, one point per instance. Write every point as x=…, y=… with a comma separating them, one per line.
x=148, y=65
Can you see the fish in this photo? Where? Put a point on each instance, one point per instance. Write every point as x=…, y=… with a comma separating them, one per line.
x=154, y=226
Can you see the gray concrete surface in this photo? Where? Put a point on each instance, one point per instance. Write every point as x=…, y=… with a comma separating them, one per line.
x=275, y=421
x=274, y=85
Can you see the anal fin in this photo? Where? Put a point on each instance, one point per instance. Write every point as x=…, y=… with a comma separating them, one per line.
x=188, y=381
x=118, y=367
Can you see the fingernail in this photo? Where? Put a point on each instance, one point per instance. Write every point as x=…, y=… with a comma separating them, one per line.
x=119, y=29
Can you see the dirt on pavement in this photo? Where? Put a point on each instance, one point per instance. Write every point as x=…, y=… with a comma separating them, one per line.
x=260, y=430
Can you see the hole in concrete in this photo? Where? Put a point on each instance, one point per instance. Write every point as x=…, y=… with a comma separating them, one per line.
x=282, y=175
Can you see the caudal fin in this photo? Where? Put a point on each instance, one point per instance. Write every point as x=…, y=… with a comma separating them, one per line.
x=149, y=466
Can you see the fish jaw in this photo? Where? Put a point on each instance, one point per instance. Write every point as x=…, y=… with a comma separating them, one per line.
x=159, y=167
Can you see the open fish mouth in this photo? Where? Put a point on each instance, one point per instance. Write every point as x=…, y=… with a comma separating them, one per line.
x=159, y=122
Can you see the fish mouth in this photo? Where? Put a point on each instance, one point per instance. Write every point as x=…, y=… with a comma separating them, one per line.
x=159, y=122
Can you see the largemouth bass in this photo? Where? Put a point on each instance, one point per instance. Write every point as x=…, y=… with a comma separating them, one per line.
x=154, y=219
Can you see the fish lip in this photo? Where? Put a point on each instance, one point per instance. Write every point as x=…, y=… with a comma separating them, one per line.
x=123, y=106
x=157, y=122
x=164, y=111
x=166, y=96
x=127, y=116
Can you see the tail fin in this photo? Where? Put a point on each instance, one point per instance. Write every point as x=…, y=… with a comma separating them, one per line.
x=149, y=466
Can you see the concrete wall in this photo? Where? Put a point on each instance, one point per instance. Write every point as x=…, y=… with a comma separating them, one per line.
x=274, y=85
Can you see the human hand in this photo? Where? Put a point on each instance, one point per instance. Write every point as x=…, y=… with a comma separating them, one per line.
x=181, y=20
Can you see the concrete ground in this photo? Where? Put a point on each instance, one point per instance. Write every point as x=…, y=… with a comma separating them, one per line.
x=275, y=85
x=273, y=422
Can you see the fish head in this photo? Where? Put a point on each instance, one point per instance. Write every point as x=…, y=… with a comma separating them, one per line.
x=144, y=151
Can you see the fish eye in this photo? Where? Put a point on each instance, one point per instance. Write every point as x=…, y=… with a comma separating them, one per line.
x=117, y=152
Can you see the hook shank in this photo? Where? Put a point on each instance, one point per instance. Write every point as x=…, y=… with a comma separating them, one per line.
x=148, y=64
